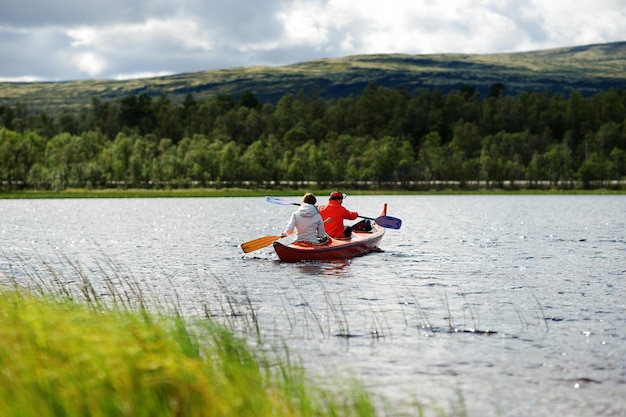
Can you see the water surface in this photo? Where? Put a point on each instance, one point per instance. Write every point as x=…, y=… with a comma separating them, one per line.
x=515, y=303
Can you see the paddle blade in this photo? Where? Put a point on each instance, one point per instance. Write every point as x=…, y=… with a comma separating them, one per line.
x=389, y=222
x=259, y=243
x=281, y=201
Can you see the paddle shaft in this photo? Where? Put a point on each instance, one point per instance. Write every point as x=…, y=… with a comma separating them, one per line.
x=258, y=243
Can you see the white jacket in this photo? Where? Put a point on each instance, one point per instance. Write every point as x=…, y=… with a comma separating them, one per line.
x=308, y=224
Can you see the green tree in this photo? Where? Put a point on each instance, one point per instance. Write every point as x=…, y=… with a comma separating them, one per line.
x=417, y=111
x=497, y=90
x=67, y=160
x=345, y=154
x=18, y=154
x=66, y=122
x=120, y=158
x=466, y=140
x=610, y=135
x=257, y=162
x=166, y=170
x=248, y=99
x=254, y=124
x=321, y=169
x=618, y=161
x=285, y=115
x=188, y=116
x=295, y=137
x=432, y=158
x=341, y=116
x=558, y=163
x=299, y=169
x=230, y=166
x=197, y=159
x=594, y=168
x=578, y=119
x=610, y=107
x=386, y=159
x=374, y=107
x=104, y=116
x=167, y=123
x=460, y=106
x=136, y=113
x=44, y=125
x=142, y=159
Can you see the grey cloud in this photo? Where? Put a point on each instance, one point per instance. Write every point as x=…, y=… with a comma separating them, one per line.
x=32, y=53
x=35, y=35
x=227, y=25
x=68, y=13
x=238, y=20
x=34, y=13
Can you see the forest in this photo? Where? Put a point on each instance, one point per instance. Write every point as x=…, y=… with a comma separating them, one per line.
x=383, y=139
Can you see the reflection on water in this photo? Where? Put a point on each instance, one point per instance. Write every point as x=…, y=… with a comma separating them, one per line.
x=514, y=301
x=331, y=268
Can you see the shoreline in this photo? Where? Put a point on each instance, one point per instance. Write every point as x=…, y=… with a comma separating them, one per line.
x=242, y=192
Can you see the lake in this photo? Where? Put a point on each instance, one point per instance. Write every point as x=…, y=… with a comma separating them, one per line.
x=512, y=305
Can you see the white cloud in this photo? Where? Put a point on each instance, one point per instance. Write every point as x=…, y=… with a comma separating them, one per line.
x=372, y=26
x=139, y=75
x=577, y=22
x=305, y=23
x=21, y=79
x=90, y=63
x=152, y=32
x=155, y=40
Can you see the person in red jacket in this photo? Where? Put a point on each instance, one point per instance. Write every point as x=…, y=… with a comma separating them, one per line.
x=334, y=213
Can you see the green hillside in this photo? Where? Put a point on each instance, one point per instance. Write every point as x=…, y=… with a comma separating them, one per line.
x=587, y=69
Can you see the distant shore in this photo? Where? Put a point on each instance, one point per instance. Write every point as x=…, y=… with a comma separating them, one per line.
x=244, y=192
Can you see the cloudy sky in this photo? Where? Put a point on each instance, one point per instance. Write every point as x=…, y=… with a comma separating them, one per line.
x=43, y=40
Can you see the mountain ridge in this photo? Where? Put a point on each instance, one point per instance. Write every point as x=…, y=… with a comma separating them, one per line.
x=588, y=69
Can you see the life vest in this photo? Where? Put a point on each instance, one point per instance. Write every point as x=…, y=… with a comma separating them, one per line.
x=333, y=215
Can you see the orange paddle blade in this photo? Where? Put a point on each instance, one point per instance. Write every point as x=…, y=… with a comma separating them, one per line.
x=258, y=243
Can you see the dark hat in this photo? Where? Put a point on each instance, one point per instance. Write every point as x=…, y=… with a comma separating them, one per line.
x=337, y=195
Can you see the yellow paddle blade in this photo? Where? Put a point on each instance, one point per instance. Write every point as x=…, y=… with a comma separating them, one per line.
x=258, y=243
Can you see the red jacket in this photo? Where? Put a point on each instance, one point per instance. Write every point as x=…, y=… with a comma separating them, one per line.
x=333, y=214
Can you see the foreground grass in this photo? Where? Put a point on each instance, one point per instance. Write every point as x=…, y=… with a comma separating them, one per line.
x=63, y=358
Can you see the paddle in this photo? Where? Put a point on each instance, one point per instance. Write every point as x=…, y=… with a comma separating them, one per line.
x=384, y=221
x=259, y=243
x=281, y=201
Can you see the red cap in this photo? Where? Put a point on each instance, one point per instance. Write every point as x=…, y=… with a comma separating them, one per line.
x=336, y=195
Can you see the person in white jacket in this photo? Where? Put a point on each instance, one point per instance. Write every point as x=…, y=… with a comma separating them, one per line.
x=307, y=222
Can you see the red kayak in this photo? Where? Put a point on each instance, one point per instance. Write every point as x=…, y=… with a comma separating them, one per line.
x=365, y=237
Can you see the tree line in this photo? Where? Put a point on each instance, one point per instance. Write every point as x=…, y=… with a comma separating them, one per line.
x=382, y=136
